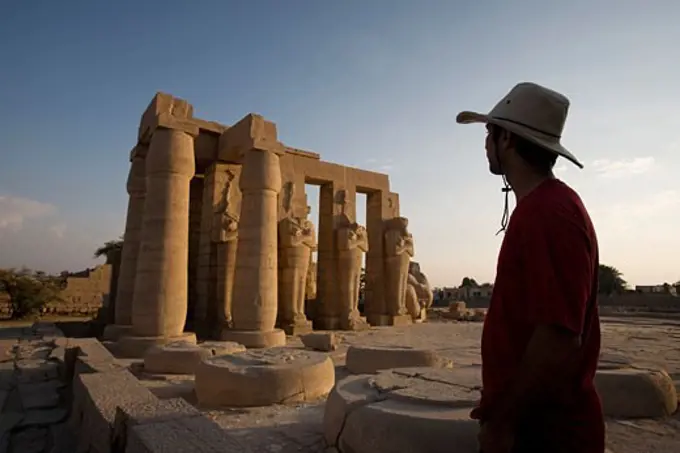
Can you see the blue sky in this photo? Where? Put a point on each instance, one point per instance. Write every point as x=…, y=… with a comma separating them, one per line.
x=374, y=84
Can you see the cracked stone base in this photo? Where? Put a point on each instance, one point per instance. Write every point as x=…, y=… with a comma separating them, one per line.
x=371, y=359
x=136, y=347
x=405, y=403
x=255, y=338
x=388, y=320
x=114, y=332
x=183, y=357
x=264, y=377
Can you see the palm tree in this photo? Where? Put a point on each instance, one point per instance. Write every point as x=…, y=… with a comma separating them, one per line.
x=611, y=280
x=109, y=249
x=469, y=282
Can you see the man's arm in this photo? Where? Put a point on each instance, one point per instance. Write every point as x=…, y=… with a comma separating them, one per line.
x=558, y=270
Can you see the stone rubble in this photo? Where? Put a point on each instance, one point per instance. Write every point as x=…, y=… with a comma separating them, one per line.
x=33, y=391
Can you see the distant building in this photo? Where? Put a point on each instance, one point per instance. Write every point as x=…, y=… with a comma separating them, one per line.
x=464, y=292
x=656, y=289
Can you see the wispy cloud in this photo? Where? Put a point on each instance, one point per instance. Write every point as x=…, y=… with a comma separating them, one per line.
x=639, y=216
x=620, y=168
x=560, y=169
x=14, y=211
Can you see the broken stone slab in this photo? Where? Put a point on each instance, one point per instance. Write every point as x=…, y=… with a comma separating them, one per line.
x=192, y=434
x=99, y=395
x=158, y=411
x=320, y=341
x=44, y=417
x=264, y=377
x=40, y=395
x=183, y=357
x=361, y=410
x=34, y=370
x=636, y=392
x=362, y=359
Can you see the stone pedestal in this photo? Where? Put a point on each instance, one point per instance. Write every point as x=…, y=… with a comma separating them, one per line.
x=255, y=298
x=136, y=188
x=159, y=305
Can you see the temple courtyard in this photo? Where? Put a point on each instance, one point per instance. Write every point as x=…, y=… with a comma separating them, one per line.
x=298, y=428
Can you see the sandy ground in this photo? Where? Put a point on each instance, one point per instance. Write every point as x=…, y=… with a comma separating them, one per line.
x=286, y=429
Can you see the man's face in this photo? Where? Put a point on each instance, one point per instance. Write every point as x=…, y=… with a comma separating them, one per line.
x=494, y=144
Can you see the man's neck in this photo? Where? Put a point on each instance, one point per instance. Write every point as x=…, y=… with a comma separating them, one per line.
x=523, y=183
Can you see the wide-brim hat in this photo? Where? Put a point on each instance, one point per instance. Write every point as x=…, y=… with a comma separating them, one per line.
x=534, y=113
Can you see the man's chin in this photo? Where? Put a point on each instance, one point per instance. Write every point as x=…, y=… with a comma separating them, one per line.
x=495, y=171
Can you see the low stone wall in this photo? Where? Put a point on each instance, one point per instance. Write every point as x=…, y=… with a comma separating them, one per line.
x=112, y=412
x=85, y=294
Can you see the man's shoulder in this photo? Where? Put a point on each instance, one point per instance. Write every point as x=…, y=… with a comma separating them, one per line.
x=553, y=205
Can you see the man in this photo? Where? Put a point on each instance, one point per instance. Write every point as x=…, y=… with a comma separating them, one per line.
x=541, y=338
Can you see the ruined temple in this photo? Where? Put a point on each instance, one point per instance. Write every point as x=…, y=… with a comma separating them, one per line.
x=217, y=238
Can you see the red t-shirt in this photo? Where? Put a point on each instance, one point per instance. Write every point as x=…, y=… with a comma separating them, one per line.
x=547, y=273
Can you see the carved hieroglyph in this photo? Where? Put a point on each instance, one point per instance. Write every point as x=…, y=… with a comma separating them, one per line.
x=352, y=243
x=398, y=253
x=225, y=234
x=297, y=240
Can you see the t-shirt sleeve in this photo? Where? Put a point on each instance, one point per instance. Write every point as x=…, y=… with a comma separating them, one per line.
x=557, y=262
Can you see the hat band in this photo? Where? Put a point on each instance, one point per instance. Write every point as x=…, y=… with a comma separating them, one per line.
x=527, y=126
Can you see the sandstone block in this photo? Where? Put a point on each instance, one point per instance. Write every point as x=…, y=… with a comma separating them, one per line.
x=189, y=434
x=264, y=377
x=157, y=411
x=390, y=411
x=633, y=393
x=370, y=359
x=320, y=341
x=102, y=394
x=183, y=357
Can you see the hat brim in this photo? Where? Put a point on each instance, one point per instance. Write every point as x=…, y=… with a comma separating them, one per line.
x=545, y=141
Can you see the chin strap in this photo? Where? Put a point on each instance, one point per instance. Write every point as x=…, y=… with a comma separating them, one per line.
x=506, y=209
x=505, y=218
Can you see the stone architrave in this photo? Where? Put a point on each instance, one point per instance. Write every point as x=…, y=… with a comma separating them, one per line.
x=352, y=243
x=136, y=188
x=297, y=240
x=398, y=253
x=255, y=292
x=159, y=306
x=225, y=234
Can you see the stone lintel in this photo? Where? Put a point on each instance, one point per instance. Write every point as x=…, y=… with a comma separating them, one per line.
x=253, y=132
x=168, y=121
x=303, y=153
x=210, y=126
x=163, y=103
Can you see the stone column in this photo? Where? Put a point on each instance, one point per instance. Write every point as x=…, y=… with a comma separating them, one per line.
x=159, y=305
x=255, y=299
x=136, y=187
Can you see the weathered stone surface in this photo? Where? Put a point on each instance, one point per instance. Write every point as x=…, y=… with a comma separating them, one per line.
x=631, y=392
x=193, y=434
x=102, y=393
x=389, y=412
x=40, y=395
x=320, y=341
x=264, y=377
x=36, y=370
x=183, y=357
x=370, y=359
x=156, y=411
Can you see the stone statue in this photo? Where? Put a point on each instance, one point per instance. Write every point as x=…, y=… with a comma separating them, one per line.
x=419, y=295
x=225, y=234
x=352, y=243
x=310, y=288
x=398, y=253
x=297, y=240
